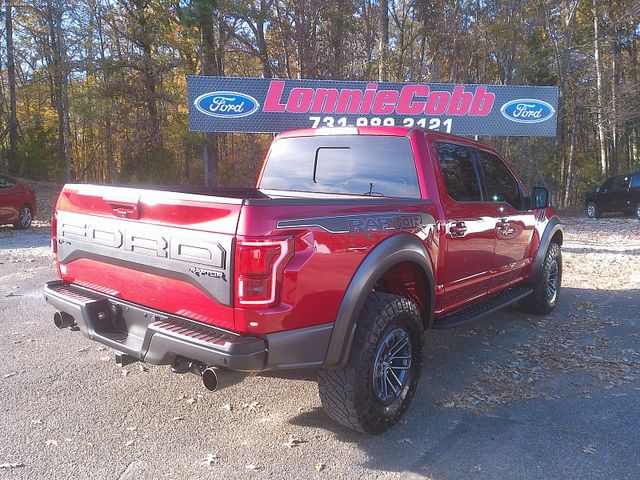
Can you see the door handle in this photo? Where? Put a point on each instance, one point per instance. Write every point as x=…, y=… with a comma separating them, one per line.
x=457, y=229
x=504, y=226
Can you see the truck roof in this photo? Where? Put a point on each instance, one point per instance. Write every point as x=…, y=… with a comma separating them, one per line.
x=379, y=131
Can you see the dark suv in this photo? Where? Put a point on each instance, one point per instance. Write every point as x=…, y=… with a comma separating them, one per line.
x=618, y=194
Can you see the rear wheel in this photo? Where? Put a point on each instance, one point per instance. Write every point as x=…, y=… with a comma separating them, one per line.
x=592, y=210
x=546, y=288
x=637, y=211
x=372, y=392
x=25, y=217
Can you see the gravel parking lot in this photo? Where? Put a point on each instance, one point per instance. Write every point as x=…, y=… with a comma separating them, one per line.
x=512, y=396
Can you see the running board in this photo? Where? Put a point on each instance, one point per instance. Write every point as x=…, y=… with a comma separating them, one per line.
x=483, y=308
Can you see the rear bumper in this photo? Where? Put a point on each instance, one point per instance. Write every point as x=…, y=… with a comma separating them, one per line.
x=158, y=338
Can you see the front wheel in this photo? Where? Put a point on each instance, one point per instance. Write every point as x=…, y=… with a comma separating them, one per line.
x=372, y=392
x=25, y=217
x=546, y=287
x=592, y=210
x=637, y=210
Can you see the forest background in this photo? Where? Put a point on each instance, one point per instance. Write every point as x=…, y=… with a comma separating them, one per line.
x=95, y=90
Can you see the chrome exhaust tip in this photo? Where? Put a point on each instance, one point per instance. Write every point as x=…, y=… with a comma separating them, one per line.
x=215, y=379
x=63, y=320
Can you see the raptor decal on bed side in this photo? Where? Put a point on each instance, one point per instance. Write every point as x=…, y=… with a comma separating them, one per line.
x=364, y=223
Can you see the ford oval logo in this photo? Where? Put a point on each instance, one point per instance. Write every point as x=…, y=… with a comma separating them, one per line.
x=226, y=104
x=526, y=110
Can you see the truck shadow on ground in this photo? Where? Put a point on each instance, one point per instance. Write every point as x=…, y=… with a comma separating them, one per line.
x=517, y=383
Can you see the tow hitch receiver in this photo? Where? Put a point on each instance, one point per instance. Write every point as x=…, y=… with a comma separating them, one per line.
x=122, y=359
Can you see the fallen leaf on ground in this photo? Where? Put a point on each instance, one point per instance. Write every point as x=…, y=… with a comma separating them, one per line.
x=293, y=442
x=11, y=465
x=10, y=374
x=51, y=442
x=406, y=440
x=83, y=349
x=251, y=466
x=129, y=443
x=320, y=467
x=210, y=460
x=589, y=449
x=175, y=419
x=253, y=405
x=228, y=407
x=191, y=401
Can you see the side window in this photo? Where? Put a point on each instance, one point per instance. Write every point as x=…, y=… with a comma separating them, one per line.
x=608, y=185
x=459, y=175
x=635, y=181
x=499, y=183
x=6, y=182
x=621, y=184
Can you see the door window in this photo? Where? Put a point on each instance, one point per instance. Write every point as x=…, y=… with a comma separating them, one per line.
x=458, y=172
x=608, y=185
x=621, y=184
x=500, y=186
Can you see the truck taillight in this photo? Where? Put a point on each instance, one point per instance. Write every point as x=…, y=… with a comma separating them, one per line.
x=54, y=233
x=259, y=266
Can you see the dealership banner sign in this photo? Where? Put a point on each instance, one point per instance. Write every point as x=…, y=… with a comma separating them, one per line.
x=229, y=104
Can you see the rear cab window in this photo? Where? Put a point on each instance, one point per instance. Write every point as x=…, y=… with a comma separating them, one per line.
x=343, y=164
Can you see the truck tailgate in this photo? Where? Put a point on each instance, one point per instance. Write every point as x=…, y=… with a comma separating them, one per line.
x=168, y=251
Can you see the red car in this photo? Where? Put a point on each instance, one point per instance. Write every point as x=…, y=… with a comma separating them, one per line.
x=17, y=202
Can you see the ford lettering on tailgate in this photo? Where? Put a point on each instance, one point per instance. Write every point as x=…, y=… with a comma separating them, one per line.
x=226, y=104
x=199, y=258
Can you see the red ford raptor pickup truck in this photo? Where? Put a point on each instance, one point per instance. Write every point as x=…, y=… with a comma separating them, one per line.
x=354, y=242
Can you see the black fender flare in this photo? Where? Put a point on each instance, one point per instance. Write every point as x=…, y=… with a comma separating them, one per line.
x=550, y=230
x=391, y=251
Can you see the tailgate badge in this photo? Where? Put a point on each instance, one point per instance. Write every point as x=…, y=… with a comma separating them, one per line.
x=203, y=272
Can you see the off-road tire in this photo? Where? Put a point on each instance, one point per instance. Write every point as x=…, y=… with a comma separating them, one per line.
x=25, y=217
x=592, y=210
x=546, y=288
x=348, y=394
x=637, y=211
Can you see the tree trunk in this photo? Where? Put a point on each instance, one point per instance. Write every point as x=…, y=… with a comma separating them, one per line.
x=11, y=77
x=570, y=163
x=210, y=66
x=615, y=82
x=383, y=41
x=60, y=86
x=599, y=88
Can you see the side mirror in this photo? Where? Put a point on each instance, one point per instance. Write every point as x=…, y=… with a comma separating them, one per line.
x=540, y=198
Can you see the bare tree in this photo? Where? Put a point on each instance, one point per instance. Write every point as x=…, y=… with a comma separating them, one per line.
x=11, y=78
